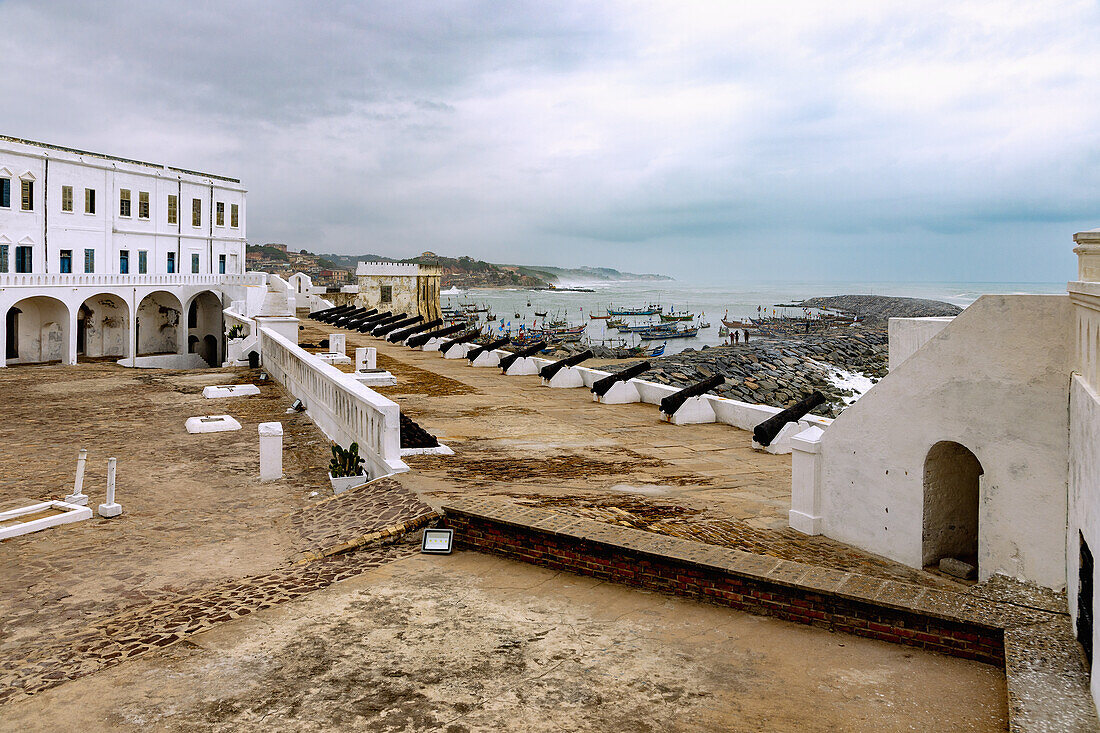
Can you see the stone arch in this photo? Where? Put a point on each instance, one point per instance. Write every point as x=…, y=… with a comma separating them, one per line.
x=205, y=324
x=952, y=491
x=38, y=331
x=103, y=326
x=158, y=323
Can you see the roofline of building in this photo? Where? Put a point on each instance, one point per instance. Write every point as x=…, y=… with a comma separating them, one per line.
x=104, y=156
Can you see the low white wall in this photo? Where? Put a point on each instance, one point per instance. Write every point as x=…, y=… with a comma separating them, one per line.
x=345, y=410
x=993, y=380
x=909, y=334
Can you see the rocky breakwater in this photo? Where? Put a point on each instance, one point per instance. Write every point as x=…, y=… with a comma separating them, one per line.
x=779, y=372
x=876, y=310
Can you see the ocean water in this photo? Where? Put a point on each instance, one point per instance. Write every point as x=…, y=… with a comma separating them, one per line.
x=738, y=299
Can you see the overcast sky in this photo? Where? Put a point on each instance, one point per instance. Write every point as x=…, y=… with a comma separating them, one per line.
x=830, y=141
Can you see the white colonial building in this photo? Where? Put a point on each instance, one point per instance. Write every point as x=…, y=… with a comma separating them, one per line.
x=108, y=257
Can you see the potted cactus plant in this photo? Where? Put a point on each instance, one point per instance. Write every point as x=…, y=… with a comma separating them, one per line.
x=345, y=470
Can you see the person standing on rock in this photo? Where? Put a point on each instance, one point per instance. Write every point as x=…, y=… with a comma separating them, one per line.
x=746, y=337
x=736, y=336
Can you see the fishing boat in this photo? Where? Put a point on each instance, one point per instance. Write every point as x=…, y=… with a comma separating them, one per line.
x=673, y=316
x=594, y=317
x=638, y=328
x=657, y=350
x=648, y=310
x=704, y=324
x=541, y=315
x=654, y=334
x=615, y=323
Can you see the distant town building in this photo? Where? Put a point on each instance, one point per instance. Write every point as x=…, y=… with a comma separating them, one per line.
x=275, y=245
x=400, y=287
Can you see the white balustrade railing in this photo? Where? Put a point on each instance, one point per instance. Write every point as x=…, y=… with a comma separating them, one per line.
x=345, y=410
x=14, y=280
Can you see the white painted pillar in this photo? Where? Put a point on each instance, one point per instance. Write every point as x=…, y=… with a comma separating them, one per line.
x=806, y=459
x=4, y=337
x=366, y=357
x=70, y=356
x=271, y=451
x=131, y=336
x=78, y=496
x=110, y=508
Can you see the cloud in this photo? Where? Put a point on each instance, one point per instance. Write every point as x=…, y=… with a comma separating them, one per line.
x=641, y=135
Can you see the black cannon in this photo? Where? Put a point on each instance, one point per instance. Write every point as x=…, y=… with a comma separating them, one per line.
x=333, y=313
x=404, y=333
x=507, y=361
x=672, y=403
x=548, y=371
x=359, y=320
x=487, y=348
x=602, y=385
x=393, y=325
x=765, y=432
x=351, y=315
x=422, y=338
x=383, y=321
x=462, y=339
x=320, y=314
x=371, y=321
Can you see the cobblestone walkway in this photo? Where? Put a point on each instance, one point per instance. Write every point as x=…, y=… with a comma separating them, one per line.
x=368, y=513
x=47, y=660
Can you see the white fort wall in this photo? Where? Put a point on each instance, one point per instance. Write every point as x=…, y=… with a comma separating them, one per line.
x=1084, y=495
x=995, y=380
x=108, y=230
x=343, y=409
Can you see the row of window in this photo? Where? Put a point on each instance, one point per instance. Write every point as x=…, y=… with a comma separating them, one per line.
x=24, y=255
x=124, y=204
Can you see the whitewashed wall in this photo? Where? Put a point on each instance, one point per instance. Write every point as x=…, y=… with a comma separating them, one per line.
x=107, y=232
x=994, y=380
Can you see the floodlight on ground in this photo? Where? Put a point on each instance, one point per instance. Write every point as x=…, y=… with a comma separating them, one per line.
x=437, y=541
x=298, y=406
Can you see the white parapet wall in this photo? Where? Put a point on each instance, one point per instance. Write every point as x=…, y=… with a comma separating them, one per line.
x=993, y=383
x=346, y=411
x=909, y=334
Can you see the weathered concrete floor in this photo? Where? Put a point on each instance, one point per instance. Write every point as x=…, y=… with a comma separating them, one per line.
x=516, y=439
x=200, y=540
x=473, y=642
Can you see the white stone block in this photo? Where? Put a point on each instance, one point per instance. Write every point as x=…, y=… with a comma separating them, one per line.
x=337, y=344
x=366, y=357
x=522, y=367
x=271, y=451
x=486, y=359
x=432, y=344
x=621, y=393
x=230, y=390
x=566, y=378
x=212, y=424
x=781, y=445
x=694, y=411
x=374, y=378
x=334, y=358
x=459, y=351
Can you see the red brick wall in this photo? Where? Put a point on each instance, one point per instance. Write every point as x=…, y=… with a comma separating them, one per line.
x=745, y=593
